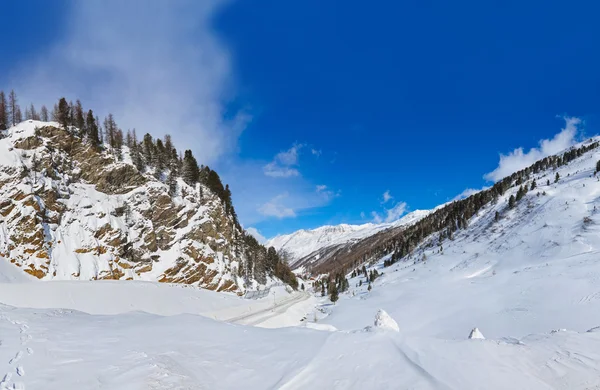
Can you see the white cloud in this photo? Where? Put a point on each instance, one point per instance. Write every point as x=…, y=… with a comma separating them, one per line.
x=391, y=214
x=395, y=212
x=468, y=192
x=387, y=197
x=362, y=215
x=316, y=152
x=274, y=170
x=276, y=208
x=290, y=156
x=256, y=234
x=326, y=193
x=517, y=159
x=376, y=217
x=283, y=162
x=158, y=67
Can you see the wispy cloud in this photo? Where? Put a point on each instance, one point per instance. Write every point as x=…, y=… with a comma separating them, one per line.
x=256, y=234
x=386, y=197
x=283, y=163
x=316, y=152
x=326, y=193
x=518, y=159
x=157, y=66
x=274, y=170
x=276, y=208
x=468, y=192
x=391, y=214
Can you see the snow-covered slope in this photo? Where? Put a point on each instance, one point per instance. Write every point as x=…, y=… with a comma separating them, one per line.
x=532, y=270
x=304, y=242
x=70, y=211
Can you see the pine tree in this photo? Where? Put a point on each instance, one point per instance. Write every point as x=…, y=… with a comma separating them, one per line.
x=497, y=216
x=190, y=173
x=129, y=139
x=548, y=182
x=118, y=143
x=168, y=150
x=322, y=289
x=147, y=149
x=35, y=167
x=54, y=115
x=520, y=193
x=334, y=294
x=34, y=114
x=13, y=108
x=556, y=178
x=369, y=288
x=79, y=119
x=172, y=183
x=511, y=202
x=92, y=128
x=136, y=157
x=100, y=131
x=4, y=117
x=110, y=128
x=29, y=112
x=533, y=185
x=63, y=113
x=18, y=115
x=597, y=163
x=71, y=117
x=302, y=287
x=158, y=159
x=44, y=114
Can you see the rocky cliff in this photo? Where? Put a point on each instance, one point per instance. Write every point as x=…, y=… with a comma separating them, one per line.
x=69, y=210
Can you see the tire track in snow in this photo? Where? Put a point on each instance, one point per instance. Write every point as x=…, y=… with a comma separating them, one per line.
x=590, y=298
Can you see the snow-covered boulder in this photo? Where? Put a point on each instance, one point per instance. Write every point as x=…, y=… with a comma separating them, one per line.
x=384, y=321
x=476, y=334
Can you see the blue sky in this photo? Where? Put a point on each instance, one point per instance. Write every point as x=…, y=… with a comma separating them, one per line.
x=313, y=110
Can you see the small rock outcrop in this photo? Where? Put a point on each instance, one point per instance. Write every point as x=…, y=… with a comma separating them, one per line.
x=476, y=334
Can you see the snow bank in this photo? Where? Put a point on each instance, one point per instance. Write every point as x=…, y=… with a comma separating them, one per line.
x=383, y=321
x=11, y=274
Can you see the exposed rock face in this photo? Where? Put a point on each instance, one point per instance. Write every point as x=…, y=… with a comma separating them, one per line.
x=69, y=211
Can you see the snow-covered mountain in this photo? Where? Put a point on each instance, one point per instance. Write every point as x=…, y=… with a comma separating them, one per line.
x=71, y=211
x=302, y=243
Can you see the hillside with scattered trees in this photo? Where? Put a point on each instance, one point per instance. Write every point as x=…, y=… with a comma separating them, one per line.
x=164, y=217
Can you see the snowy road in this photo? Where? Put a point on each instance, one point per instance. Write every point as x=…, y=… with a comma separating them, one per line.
x=262, y=315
